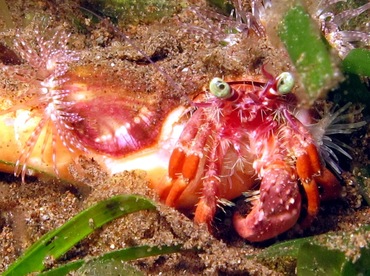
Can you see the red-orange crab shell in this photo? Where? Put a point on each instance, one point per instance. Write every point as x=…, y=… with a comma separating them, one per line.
x=241, y=132
x=105, y=118
x=189, y=197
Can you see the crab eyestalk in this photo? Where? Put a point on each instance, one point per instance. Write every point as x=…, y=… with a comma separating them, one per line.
x=285, y=83
x=219, y=88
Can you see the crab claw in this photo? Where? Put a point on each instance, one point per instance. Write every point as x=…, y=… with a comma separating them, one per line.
x=276, y=210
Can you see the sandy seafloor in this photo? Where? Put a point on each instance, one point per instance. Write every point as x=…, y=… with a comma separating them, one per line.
x=29, y=210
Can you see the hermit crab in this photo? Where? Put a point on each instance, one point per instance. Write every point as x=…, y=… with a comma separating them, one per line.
x=242, y=134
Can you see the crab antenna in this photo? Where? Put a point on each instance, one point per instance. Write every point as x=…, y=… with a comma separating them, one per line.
x=124, y=37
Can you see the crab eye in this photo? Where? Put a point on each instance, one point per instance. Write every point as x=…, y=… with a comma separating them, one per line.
x=220, y=88
x=285, y=83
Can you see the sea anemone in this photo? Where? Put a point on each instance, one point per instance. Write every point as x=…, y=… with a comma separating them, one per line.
x=333, y=123
x=46, y=61
x=331, y=25
x=225, y=29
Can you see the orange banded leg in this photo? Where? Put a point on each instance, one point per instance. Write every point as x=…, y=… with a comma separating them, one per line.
x=310, y=172
x=176, y=189
x=184, y=163
x=176, y=163
x=313, y=202
x=182, y=170
x=314, y=157
x=308, y=166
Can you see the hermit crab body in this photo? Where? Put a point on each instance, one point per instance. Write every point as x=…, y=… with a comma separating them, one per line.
x=243, y=132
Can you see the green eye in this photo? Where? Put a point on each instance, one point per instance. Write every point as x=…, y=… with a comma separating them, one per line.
x=220, y=88
x=285, y=83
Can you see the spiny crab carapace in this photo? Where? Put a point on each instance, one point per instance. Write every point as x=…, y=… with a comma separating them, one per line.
x=241, y=132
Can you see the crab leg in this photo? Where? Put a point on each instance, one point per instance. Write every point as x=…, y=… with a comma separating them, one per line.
x=184, y=163
x=188, y=135
x=330, y=184
x=308, y=166
x=313, y=201
x=310, y=172
x=278, y=207
x=206, y=208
